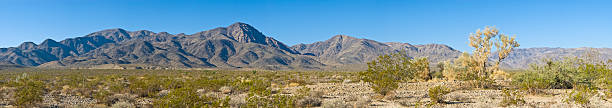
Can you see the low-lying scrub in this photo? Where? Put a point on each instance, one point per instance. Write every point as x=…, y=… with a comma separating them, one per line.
x=387, y=71
x=29, y=90
x=580, y=95
x=437, y=93
x=512, y=97
x=565, y=74
x=187, y=97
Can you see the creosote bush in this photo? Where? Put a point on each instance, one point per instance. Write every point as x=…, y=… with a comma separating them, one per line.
x=581, y=95
x=187, y=97
x=566, y=73
x=29, y=90
x=387, y=71
x=511, y=97
x=437, y=93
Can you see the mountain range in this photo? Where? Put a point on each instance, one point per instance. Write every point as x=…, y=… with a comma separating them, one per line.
x=236, y=46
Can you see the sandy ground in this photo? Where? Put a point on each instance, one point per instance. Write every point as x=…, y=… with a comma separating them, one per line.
x=359, y=94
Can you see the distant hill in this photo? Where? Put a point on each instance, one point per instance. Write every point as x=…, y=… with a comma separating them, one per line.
x=521, y=58
x=342, y=50
x=238, y=45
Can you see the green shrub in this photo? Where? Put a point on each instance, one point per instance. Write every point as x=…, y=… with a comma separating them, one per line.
x=387, y=71
x=187, y=97
x=581, y=95
x=102, y=96
x=273, y=101
x=145, y=86
x=532, y=82
x=437, y=93
x=564, y=74
x=511, y=97
x=259, y=87
x=29, y=91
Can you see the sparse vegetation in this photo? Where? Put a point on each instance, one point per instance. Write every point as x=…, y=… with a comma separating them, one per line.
x=387, y=71
x=29, y=90
x=565, y=74
x=187, y=97
x=437, y=93
x=512, y=97
x=397, y=77
x=580, y=95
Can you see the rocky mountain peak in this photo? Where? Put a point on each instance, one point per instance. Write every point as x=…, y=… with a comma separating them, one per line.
x=245, y=33
x=27, y=45
x=141, y=33
x=116, y=34
x=50, y=43
x=343, y=37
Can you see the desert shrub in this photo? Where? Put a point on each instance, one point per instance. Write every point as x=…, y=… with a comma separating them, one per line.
x=210, y=84
x=187, y=97
x=145, y=86
x=309, y=102
x=102, y=97
x=608, y=88
x=580, y=95
x=72, y=80
x=171, y=83
x=29, y=91
x=338, y=103
x=307, y=98
x=387, y=71
x=476, y=68
x=564, y=74
x=532, y=82
x=260, y=94
x=303, y=92
x=259, y=87
x=123, y=105
x=437, y=93
x=511, y=97
x=273, y=101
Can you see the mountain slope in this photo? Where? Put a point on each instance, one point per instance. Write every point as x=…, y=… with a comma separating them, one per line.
x=236, y=46
x=239, y=45
x=521, y=58
x=345, y=50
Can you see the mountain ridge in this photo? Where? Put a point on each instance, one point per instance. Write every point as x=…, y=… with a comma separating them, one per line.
x=238, y=45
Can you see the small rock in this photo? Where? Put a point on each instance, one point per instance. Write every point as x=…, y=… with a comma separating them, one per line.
x=163, y=93
x=226, y=90
x=294, y=84
x=346, y=81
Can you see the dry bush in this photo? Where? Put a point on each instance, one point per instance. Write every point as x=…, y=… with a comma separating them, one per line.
x=337, y=103
x=581, y=95
x=309, y=102
x=362, y=102
x=275, y=101
x=437, y=93
x=29, y=91
x=476, y=67
x=316, y=94
x=123, y=105
x=186, y=97
x=511, y=97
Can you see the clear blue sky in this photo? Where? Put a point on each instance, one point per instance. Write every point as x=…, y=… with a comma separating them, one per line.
x=537, y=23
